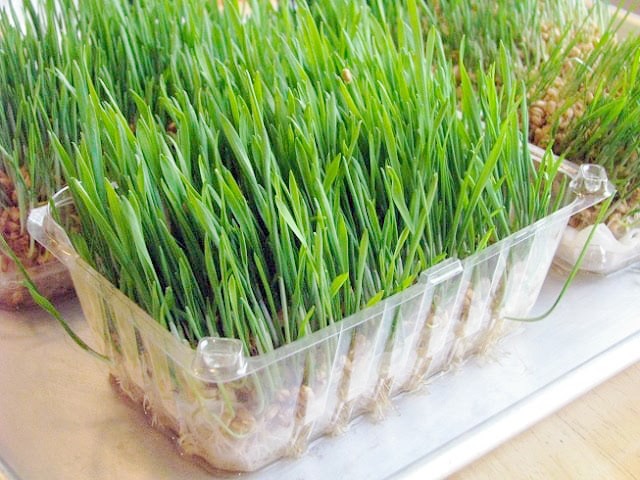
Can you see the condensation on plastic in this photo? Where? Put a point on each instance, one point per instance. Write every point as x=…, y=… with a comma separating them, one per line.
x=52, y=280
x=241, y=413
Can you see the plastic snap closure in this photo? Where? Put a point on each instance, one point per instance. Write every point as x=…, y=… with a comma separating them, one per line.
x=591, y=180
x=219, y=359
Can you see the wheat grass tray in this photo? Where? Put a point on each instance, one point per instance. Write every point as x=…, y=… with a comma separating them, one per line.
x=60, y=417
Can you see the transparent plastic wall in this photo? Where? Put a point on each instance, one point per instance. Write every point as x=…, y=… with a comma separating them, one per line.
x=52, y=280
x=241, y=413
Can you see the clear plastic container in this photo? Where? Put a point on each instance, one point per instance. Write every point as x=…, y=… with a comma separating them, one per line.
x=51, y=278
x=241, y=413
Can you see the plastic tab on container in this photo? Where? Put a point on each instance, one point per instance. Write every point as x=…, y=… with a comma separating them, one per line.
x=442, y=272
x=591, y=180
x=219, y=359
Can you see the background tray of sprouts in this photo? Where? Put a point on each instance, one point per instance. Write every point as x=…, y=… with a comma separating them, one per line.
x=614, y=144
x=31, y=104
x=36, y=54
x=579, y=61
